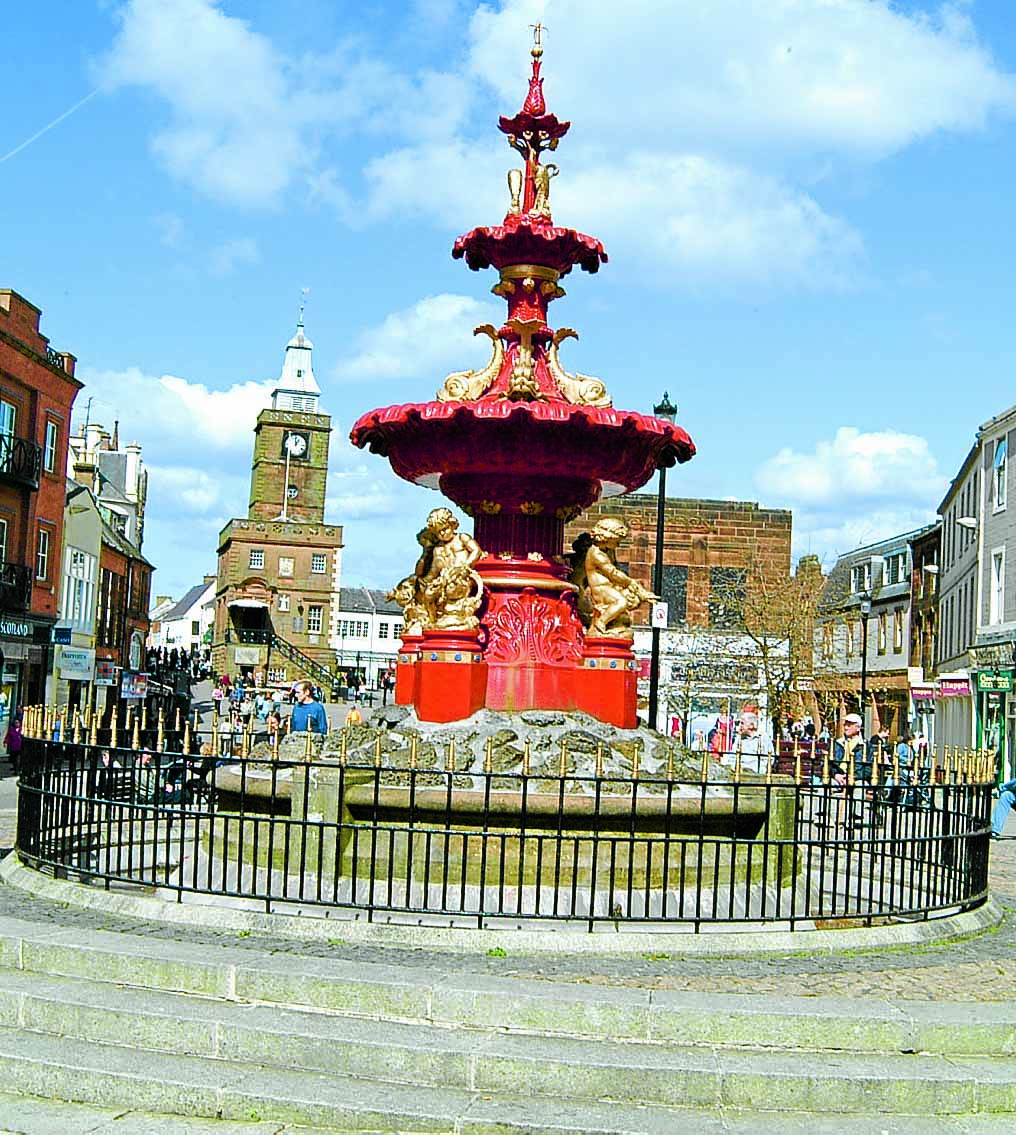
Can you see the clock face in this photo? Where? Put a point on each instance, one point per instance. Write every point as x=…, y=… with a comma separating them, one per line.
x=292, y=493
x=295, y=444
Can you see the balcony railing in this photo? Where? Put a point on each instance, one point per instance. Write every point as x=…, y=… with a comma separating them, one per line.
x=15, y=586
x=20, y=460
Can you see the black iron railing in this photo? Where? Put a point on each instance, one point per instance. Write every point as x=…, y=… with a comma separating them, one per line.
x=489, y=849
x=15, y=586
x=267, y=637
x=20, y=460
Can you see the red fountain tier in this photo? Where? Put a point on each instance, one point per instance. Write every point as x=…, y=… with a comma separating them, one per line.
x=523, y=446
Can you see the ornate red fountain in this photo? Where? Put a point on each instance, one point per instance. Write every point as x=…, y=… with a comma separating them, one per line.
x=522, y=446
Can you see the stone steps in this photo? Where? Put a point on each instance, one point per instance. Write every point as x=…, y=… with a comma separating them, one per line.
x=165, y=1025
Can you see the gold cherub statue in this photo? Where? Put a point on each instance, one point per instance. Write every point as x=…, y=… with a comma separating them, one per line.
x=440, y=592
x=456, y=595
x=607, y=596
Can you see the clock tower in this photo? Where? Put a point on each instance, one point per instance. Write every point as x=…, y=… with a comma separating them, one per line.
x=277, y=589
x=290, y=467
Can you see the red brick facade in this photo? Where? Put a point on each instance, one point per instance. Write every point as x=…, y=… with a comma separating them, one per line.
x=703, y=539
x=37, y=391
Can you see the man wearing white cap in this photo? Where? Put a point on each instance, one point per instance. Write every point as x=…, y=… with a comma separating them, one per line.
x=850, y=742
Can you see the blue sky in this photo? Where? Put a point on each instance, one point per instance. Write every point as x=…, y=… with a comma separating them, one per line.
x=808, y=206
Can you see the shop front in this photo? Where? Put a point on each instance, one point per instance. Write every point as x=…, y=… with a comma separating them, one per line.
x=24, y=661
x=994, y=696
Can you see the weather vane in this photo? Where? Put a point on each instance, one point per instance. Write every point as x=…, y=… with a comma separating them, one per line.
x=304, y=292
x=537, y=49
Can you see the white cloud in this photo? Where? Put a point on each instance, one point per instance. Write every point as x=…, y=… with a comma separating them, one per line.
x=234, y=130
x=424, y=341
x=855, y=466
x=711, y=221
x=170, y=415
x=854, y=489
x=225, y=258
x=854, y=76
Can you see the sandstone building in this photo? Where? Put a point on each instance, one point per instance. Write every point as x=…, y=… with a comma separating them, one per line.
x=277, y=583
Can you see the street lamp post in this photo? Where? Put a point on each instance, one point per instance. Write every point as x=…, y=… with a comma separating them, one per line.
x=668, y=413
x=865, y=612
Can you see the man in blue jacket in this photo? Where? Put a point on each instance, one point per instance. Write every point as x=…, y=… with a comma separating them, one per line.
x=308, y=713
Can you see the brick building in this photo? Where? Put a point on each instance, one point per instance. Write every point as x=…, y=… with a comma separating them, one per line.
x=277, y=585
x=708, y=545
x=37, y=392
x=121, y=623
x=712, y=552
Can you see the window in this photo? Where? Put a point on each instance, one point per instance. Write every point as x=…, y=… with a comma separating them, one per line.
x=49, y=455
x=883, y=631
x=297, y=624
x=828, y=642
x=397, y=630
x=999, y=466
x=283, y=602
x=3, y=540
x=726, y=597
x=997, y=586
x=318, y=563
x=895, y=568
x=382, y=630
x=675, y=593
x=195, y=628
x=257, y=558
x=860, y=577
x=898, y=629
x=851, y=649
x=8, y=416
x=277, y=675
x=286, y=566
x=42, y=555
x=314, y=620
x=79, y=588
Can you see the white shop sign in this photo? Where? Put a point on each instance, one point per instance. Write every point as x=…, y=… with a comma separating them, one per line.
x=77, y=663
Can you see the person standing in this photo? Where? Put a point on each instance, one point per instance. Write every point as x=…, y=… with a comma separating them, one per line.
x=308, y=714
x=756, y=748
x=12, y=741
